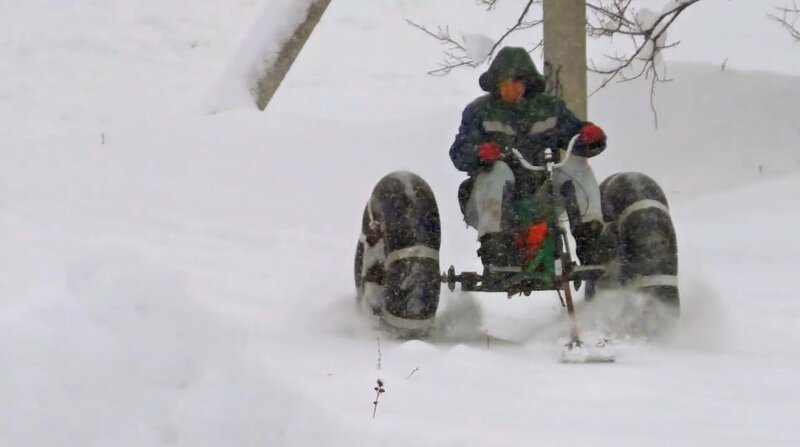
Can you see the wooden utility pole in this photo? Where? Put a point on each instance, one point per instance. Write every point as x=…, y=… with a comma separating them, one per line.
x=269, y=81
x=565, y=52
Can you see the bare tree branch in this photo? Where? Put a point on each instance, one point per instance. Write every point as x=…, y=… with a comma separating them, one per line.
x=648, y=37
x=789, y=19
x=647, y=33
x=646, y=30
x=456, y=54
x=610, y=18
x=519, y=25
x=490, y=4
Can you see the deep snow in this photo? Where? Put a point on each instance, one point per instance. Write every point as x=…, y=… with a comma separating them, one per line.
x=170, y=277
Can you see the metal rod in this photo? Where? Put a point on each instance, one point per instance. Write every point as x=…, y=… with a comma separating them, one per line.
x=573, y=322
x=575, y=339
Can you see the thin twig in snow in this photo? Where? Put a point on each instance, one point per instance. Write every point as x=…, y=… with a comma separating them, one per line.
x=379, y=389
x=379, y=353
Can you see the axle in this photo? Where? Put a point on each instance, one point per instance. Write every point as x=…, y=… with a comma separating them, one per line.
x=517, y=282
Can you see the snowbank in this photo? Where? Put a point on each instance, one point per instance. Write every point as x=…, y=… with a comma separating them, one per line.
x=174, y=278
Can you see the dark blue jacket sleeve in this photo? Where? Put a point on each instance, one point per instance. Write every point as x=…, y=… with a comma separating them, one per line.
x=464, y=151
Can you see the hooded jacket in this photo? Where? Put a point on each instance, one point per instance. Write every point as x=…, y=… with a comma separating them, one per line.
x=536, y=122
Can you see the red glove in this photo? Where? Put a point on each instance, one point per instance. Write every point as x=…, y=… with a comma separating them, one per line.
x=489, y=152
x=592, y=135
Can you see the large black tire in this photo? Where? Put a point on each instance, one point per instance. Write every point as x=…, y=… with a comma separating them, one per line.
x=637, y=216
x=397, y=257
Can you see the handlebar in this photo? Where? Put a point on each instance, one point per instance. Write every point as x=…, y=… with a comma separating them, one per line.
x=549, y=165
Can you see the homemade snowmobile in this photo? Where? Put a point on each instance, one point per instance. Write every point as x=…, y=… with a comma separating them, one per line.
x=397, y=272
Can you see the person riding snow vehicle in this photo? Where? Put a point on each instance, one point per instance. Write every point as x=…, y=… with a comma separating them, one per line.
x=499, y=199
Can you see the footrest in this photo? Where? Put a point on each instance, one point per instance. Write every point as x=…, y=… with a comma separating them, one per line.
x=469, y=280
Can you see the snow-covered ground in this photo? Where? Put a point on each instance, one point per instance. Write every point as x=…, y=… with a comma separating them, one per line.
x=173, y=277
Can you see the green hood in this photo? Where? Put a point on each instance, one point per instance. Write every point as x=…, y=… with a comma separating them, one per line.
x=509, y=63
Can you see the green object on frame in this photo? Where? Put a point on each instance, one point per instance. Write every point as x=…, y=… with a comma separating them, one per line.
x=543, y=265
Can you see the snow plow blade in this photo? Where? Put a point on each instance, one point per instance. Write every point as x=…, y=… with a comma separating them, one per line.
x=599, y=352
